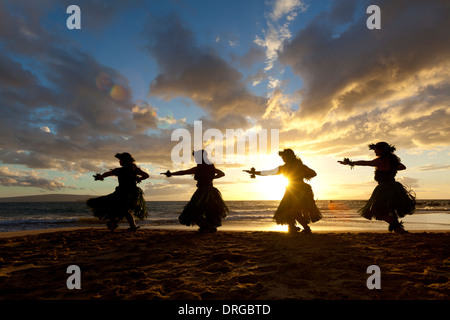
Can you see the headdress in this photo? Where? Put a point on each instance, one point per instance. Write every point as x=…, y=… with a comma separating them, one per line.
x=287, y=153
x=125, y=157
x=382, y=146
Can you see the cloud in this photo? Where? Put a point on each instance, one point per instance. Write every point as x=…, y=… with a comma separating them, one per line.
x=359, y=82
x=278, y=109
x=409, y=182
x=180, y=187
x=48, y=85
x=144, y=116
x=277, y=29
x=20, y=178
x=84, y=116
x=197, y=72
x=433, y=167
x=252, y=56
x=286, y=8
x=64, y=109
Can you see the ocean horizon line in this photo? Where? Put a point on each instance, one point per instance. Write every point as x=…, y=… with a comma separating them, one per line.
x=57, y=197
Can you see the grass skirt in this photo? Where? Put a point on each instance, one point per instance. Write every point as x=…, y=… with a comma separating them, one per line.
x=297, y=204
x=206, y=202
x=114, y=206
x=389, y=198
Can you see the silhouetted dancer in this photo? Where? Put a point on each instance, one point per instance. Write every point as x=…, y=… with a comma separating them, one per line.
x=390, y=200
x=206, y=208
x=126, y=200
x=298, y=200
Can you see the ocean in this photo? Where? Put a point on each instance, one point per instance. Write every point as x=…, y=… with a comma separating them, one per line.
x=338, y=216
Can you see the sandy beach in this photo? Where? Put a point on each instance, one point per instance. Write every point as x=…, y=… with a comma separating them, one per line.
x=237, y=265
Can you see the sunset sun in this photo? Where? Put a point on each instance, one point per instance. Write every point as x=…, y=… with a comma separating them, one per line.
x=272, y=187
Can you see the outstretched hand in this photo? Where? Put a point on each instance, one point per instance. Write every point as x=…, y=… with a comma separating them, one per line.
x=348, y=162
x=167, y=173
x=98, y=176
x=252, y=172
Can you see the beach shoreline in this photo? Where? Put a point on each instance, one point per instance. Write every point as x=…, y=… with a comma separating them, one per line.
x=22, y=233
x=227, y=228
x=163, y=264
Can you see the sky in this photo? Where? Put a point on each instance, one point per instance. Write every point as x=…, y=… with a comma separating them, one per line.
x=138, y=71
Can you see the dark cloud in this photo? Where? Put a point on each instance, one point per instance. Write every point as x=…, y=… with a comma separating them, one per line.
x=254, y=55
x=83, y=116
x=85, y=106
x=199, y=73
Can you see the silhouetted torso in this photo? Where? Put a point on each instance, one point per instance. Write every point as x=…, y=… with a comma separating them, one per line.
x=296, y=172
x=126, y=176
x=204, y=175
x=385, y=176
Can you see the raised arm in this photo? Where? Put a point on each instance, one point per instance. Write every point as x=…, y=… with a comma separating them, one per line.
x=264, y=172
x=181, y=172
x=367, y=163
x=379, y=163
x=371, y=163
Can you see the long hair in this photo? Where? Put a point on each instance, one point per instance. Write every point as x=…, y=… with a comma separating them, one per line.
x=387, y=152
x=290, y=156
x=125, y=157
x=293, y=160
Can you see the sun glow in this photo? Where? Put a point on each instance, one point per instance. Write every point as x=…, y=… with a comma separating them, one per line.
x=272, y=187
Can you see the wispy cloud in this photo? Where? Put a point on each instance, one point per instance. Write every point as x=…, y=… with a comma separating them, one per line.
x=277, y=28
x=433, y=167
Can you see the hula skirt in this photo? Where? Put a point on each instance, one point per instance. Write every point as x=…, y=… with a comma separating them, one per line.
x=206, y=202
x=297, y=204
x=116, y=205
x=389, y=198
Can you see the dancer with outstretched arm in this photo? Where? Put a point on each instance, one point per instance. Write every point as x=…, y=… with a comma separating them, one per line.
x=298, y=201
x=390, y=200
x=206, y=208
x=126, y=200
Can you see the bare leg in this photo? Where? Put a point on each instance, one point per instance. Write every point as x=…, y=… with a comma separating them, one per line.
x=112, y=225
x=204, y=225
x=292, y=227
x=394, y=224
x=131, y=222
x=302, y=221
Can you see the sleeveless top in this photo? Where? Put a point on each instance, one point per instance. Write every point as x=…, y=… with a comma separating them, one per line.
x=387, y=175
x=205, y=175
x=297, y=172
x=127, y=176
